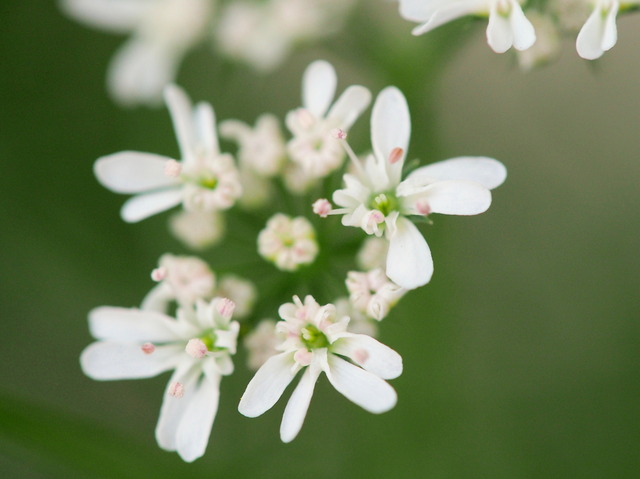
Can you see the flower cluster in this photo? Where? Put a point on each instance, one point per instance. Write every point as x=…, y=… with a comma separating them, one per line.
x=192, y=320
x=534, y=30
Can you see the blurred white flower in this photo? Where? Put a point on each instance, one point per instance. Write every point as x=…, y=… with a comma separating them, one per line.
x=313, y=146
x=162, y=31
x=260, y=149
x=261, y=343
x=183, y=279
x=239, y=290
x=359, y=323
x=317, y=340
x=372, y=253
x=508, y=27
x=204, y=179
x=373, y=293
x=256, y=190
x=377, y=201
x=197, y=345
x=197, y=229
x=288, y=242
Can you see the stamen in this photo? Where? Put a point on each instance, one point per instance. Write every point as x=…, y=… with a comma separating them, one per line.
x=172, y=168
x=423, y=207
x=176, y=390
x=148, y=348
x=226, y=307
x=396, y=155
x=322, y=207
x=339, y=134
x=353, y=157
x=196, y=348
x=159, y=274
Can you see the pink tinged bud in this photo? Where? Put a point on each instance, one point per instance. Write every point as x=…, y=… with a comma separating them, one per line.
x=395, y=155
x=423, y=207
x=172, y=168
x=303, y=357
x=226, y=307
x=196, y=348
x=159, y=274
x=322, y=207
x=360, y=356
x=305, y=118
x=176, y=390
x=148, y=348
x=339, y=134
x=375, y=217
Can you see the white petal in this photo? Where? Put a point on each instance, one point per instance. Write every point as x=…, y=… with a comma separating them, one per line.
x=318, y=87
x=181, y=114
x=132, y=325
x=267, y=385
x=610, y=34
x=419, y=10
x=524, y=35
x=486, y=171
x=445, y=13
x=108, y=360
x=390, y=128
x=455, y=197
x=350, y=105
x=499, y=33
x=119, y=17
x=205, y=125
x=298, y=404
x=370, y=354
x=158, y=298
x=409, y=262
x=132, y=172
x=196, y=422
x=139, y=71
x=590, y=43
x=362, y=387
x=142, y=206
x=173, y=408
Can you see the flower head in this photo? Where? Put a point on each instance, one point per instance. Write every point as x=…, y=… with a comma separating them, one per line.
x=372, y=293
x=203, y=180
x=317, y=340
x=313, y=146
x=377, y=200
x=507, y=24
x=288, y=242
x=197, y=345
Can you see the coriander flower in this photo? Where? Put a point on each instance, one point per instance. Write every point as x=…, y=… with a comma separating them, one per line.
x=197, y=345
x=507, y=27
x=312, y=147
x=161, y=33
x=317, y=340
x=599, y=33
x=197, y=229
x=203, y=180
x=376, y=200
x=372, y=292
x=288, y=242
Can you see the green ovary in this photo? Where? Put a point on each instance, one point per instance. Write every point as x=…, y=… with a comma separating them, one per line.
x=385, y=202
x=208, y=182
x=313, y=338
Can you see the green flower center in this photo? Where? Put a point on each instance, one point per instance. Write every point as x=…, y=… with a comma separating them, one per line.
x=209, y=339
x=385, y=202
x=208, y=182
x=313, y=338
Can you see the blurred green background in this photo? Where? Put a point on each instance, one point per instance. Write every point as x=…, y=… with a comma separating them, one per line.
x=521, y=357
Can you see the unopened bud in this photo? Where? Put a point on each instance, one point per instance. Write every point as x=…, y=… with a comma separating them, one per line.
x=196, y=348
x=159, y=274
x=226, y=308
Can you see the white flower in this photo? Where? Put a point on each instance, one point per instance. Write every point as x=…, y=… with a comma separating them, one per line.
x=161, y=33
x=140, y=344
x=288, y=242
x=313, y=147
x=239, y=290
x=599, y=33
x=261, y=149
x=377, y=201
x=359, y=323
x=261, y=343
x=197, y=229
x=204, y=180
x=507, y=24
x=372, y=292
x=256, y=190
x=184, y=279
x=318, y=341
